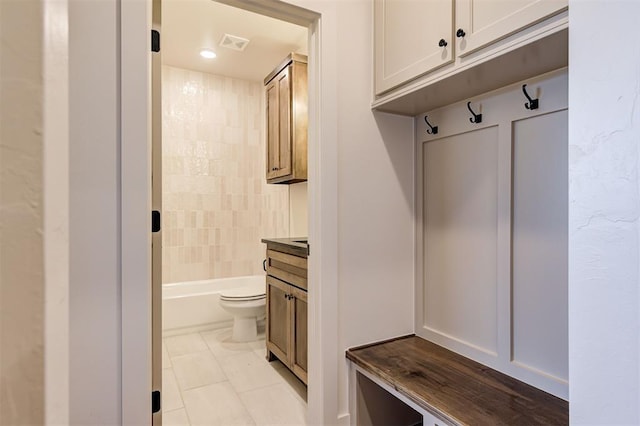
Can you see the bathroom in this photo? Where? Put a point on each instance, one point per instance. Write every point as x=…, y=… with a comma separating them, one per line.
x=217, y=206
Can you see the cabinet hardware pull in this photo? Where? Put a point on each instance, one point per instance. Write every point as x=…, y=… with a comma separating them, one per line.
x=460, y=33
x=442, y=43
x=533, y=103
x=432, y=130
x=264, y=265
x=477, y=118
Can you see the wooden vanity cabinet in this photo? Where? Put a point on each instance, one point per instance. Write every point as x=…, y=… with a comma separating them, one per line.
x=287, y=118
x=286, y=325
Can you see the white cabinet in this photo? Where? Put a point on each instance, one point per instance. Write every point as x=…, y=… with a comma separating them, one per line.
x=485, y=21
x=412, y=37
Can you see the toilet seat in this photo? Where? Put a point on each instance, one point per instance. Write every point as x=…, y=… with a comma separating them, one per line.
x=244, y=294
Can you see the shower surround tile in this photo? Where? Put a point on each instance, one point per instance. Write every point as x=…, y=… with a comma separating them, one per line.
x=216, y=202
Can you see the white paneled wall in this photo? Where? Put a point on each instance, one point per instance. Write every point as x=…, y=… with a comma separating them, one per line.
x=539, y=244
x=460, y=237
x=492, y=233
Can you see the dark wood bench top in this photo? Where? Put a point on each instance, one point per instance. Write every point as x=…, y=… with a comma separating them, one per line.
x=467, y=392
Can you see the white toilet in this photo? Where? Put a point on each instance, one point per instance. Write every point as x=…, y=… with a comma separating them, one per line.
x=246, y=304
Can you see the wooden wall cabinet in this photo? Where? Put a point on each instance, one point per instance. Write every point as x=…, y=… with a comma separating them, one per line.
x=286, y=328
x=287, y=118
x=418, y=44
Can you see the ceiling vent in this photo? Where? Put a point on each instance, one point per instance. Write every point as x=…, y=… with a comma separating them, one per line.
x=234, y=42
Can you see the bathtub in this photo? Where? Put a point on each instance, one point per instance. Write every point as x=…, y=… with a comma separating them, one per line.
x=194, y=305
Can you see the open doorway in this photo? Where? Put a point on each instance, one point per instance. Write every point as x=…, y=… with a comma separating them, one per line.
x=216, y=207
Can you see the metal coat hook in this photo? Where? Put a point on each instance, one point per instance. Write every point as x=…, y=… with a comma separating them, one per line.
x=477, y=118
x=432, y=130
x=533, y=103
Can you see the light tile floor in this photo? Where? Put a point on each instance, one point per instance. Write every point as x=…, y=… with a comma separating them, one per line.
x=209, y=380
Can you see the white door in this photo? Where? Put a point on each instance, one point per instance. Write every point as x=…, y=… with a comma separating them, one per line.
x=156, y=206
x=412, y=37
x=486, y=21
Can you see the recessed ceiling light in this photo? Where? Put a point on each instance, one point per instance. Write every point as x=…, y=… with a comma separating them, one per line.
x=208, y=53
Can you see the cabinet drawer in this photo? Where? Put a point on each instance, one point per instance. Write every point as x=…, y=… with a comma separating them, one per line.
x=288, y=268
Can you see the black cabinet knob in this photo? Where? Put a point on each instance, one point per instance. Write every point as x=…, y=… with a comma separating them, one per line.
x=460, y=33
x=442, y=43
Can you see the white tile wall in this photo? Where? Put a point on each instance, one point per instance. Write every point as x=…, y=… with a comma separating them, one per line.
x=216, y=202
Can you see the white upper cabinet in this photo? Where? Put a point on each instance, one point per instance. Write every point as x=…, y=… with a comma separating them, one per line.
x=481, y=22
x=430, y=51
x=412, y=37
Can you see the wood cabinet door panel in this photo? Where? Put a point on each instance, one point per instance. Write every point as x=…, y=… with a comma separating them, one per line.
x=284, y=123
x=278, y=324
x=486, y=21
x=406, y=40
x=273, y=146
x=299, y=323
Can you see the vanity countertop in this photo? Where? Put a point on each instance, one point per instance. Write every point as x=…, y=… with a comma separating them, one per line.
x=295, y=246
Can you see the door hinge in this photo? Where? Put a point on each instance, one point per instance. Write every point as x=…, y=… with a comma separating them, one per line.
x=155, y=221
x=155, y=401
x=155, y=41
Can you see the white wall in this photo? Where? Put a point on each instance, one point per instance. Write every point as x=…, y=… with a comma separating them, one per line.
x=22, y=278
x=375, y=194
x=604, y=248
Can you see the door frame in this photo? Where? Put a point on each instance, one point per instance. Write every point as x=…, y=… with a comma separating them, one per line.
x=136, y=294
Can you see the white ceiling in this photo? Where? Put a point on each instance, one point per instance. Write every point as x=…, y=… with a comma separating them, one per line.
x=190, y=25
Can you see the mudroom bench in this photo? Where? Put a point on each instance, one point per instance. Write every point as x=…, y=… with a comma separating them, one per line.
x=411, y=381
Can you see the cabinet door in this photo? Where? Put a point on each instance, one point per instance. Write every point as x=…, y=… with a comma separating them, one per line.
x=486, y=21
x=407, y=38
x=284, y=122
x=273, y=134
x=278, y=94
x=299, y=333
x=278, y=319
